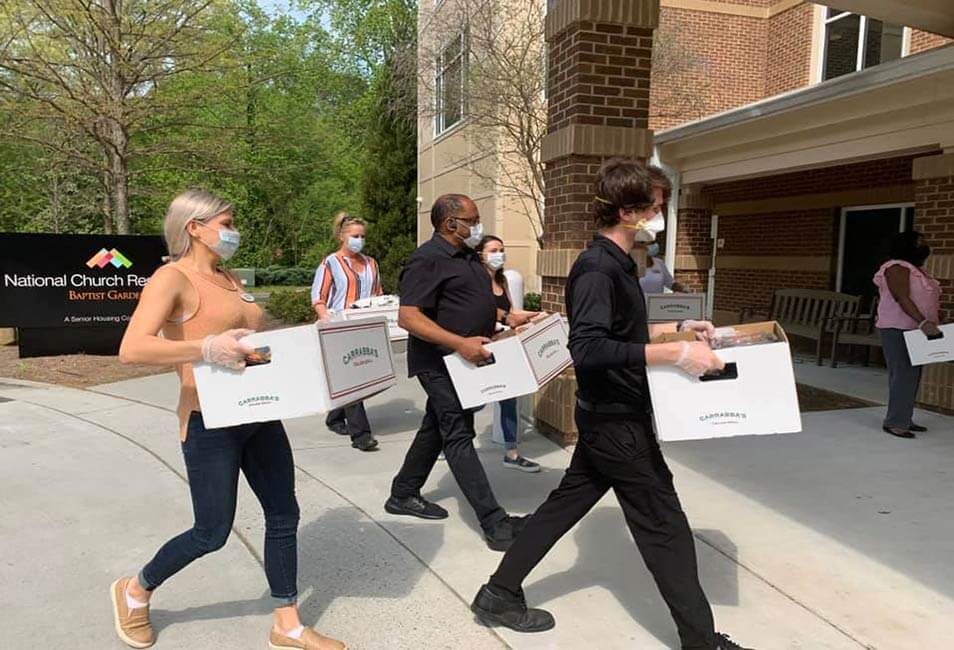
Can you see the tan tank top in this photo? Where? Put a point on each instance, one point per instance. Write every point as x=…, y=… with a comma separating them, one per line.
x=220, y=308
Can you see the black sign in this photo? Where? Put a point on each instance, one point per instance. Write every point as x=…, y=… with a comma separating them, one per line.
x=82, y=281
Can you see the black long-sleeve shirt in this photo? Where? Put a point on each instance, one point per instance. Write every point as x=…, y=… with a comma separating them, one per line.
x=608, y=326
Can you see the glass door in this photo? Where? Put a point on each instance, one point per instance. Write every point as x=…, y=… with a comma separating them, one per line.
x=863, y=245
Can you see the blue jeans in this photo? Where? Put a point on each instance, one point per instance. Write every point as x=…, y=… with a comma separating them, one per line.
x=213, y=458
x=508, y=422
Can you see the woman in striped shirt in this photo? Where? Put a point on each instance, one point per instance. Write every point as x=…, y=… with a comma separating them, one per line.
x=343, y=278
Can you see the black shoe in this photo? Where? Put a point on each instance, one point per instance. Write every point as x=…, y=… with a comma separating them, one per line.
x=416, y=507
x=501, y=536
x=365, y=442
x=899, y=433
x=917, y=427
x=723, y=642
x=338, y=427
x=496, y=607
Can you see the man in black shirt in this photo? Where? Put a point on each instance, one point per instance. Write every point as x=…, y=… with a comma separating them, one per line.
x=448, y=305
x=617, y=449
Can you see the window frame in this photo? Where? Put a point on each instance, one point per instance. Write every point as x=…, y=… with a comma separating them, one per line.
x=861, y=46
x=440, y=69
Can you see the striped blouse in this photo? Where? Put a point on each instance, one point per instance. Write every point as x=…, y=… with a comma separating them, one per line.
x=337, y=285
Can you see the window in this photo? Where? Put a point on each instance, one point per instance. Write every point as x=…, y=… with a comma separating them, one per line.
x=449, y=85
x=854, y=42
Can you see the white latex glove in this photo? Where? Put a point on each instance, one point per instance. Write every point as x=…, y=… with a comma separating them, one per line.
x=703, y=329
x=226, y=349
x=697, y=358
x=929, y=328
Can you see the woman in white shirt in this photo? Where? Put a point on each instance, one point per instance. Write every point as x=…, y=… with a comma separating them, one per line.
x=657, y=277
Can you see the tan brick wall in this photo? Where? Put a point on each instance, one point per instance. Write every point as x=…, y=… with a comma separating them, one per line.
x=730, y=51
x=789, y=50
x=693, y=237
x=922, y=41
x=934, y=216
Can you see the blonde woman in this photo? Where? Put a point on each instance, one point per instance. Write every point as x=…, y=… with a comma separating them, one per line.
x=190, y=311
x=343, y=278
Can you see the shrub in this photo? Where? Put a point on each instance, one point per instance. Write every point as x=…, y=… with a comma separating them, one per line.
x=284, y=276
x=531, y=302
x=292, y=306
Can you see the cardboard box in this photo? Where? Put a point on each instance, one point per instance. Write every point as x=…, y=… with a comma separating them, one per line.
x=522, y=363
x=386, y=306
x=313, y=369
x=923, y=351
x=755, y=396
x=668, y=307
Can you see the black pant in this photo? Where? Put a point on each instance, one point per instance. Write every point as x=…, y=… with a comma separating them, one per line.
x=622, y=454
x=353, y=417
x=448, y=426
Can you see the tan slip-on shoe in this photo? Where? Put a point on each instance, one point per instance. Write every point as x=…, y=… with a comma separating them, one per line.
x=310, y=640
x=132, y=625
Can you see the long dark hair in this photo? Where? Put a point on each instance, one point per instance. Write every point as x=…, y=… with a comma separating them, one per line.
x=499, y=276
x=904, y=246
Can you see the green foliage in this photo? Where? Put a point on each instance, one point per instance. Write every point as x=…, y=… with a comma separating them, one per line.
x=531, y=301
x=291, y=306
x=284, y=276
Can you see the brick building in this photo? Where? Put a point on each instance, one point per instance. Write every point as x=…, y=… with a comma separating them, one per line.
x=795, y=131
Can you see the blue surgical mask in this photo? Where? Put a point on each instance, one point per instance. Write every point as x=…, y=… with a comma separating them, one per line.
x=228, y=242
x=496, y=260
x=652, y=250
x=355, y=244
x=476, y=234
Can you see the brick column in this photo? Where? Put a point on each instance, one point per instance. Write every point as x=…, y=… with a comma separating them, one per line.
x=934, y=216
x=599, y=62
x=693, y=240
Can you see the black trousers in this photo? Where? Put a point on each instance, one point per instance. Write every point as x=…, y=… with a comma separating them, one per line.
x=622, y=454
x=353, y=417
x=448, y=426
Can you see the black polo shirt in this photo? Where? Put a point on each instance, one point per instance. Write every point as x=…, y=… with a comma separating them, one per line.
x=608, y=326
x=452, y=288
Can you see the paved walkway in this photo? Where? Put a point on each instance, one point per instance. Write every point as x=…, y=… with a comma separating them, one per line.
x=838, y=537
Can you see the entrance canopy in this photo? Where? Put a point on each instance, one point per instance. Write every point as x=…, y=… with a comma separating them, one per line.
x=904, y=106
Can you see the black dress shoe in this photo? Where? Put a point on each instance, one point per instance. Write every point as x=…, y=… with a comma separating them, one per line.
x=415, y=507
x=497, y=607
x=899, y=433
x=723, y=642
x=501, y=536
x=917, y=427
x=365, y=442
x=338, y=427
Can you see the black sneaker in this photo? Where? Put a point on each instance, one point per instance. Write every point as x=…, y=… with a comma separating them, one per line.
x=415, y=507
x=338, y=427
x=365, y=442
x=496, y=607
x=723, y=642
x=522, y=464
x=501, y=536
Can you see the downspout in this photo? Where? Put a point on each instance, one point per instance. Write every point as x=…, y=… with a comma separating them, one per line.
x=672, y=209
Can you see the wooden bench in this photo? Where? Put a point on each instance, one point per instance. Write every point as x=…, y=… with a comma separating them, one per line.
x=809, y=313
x=856, y=330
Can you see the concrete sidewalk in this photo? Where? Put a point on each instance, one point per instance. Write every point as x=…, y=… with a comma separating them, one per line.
x=838, y=537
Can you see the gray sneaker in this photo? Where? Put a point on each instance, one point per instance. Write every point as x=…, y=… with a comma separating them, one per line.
x=522, y=464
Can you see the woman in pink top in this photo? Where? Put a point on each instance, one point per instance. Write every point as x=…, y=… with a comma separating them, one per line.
x=910, y=300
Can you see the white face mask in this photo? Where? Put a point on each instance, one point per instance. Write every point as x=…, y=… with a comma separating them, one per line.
x=476, y=234
x=496, y=260
x=227, y=243
x=355, y=244
x=647, y=230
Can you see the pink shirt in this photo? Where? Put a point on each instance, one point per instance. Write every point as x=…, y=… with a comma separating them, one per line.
x=925, y=293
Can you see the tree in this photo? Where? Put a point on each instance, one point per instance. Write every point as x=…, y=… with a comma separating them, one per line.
x=504, y=93
x=95, y=71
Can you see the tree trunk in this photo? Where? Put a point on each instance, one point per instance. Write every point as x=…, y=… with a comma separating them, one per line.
x=107, y=205
x=119, y=176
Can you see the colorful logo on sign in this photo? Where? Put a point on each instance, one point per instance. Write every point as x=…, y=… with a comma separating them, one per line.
x=104, y=257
